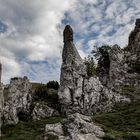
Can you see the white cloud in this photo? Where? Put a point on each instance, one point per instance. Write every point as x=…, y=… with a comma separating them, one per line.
x=32, y=35
x=33, y=42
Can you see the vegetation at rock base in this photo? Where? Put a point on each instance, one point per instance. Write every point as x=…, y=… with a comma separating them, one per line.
x=122, y=123
x=130, y=91
x=53, y=85
x=46, y=93
x=51, y=137
x=29, y=130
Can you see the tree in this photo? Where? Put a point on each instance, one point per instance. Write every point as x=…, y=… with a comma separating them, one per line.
x=102, y=56
x=53, y=85
x=90, y=65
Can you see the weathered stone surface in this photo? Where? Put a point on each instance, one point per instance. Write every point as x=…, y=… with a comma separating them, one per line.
x=41, y=110
x=1, y=105
x=56, y=129
x=17, y=99
x=81, y=124
x=78, y=127
x=79, y=93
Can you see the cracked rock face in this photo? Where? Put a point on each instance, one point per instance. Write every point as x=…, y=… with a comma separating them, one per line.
x=41, y=110
x=78, y=127
x=17, y=99
x=79, y=93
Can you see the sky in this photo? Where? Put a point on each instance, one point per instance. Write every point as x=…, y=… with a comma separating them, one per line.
x=31, y=32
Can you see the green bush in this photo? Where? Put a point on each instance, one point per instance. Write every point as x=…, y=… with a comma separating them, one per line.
x=53, y=85
x=90, y=66
x=41, y=91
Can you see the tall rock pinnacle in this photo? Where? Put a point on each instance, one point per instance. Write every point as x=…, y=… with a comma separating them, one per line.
x=68, y=34
x=70, y=53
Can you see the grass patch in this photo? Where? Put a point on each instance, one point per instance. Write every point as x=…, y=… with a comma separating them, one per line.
x=131, y=92
x=123, y=122
x=30, y=130
x=51, y=137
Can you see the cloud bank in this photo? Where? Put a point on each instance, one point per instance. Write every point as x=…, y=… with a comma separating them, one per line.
x=31, y=39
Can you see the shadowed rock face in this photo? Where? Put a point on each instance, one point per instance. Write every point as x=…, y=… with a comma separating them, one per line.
x=134, y=38
x=17, y=99
x=68, y=34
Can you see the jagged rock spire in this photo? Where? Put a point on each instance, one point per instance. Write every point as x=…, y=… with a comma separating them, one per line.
x=70, y=53
x=0, y=72
x=68, y=34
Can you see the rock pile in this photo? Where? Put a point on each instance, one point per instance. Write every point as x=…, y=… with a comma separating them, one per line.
x=17, y=100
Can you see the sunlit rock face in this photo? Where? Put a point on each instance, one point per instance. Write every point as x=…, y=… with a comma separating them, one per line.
x=17, y=100
x=78, y=92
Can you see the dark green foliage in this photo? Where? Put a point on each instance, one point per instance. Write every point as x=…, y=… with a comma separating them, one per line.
x=14, y=78
x=90, y=65
x=123, y=122
x=102, y=55
x=53, y=85
x=52, y=137
x=65, y=130
x=43, y=93
x=134, y=67
x=29, y=130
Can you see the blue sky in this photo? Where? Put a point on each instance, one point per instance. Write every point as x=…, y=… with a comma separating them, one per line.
x=31, y=40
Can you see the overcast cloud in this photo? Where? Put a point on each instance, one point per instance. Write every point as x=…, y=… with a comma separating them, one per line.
x=31, y=39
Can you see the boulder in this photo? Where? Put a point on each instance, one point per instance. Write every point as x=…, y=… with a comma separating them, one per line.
x=17, y=100
x=42, y=110
x=77, y=127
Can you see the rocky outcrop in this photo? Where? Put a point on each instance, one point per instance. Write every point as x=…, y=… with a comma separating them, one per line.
x=75, y=127
x=17, y=100
x=78, y=92
x=134, y=39
x=1, y=105
x=42, y=110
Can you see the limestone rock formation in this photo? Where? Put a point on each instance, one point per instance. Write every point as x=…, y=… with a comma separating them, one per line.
x=42, y=110
x=1, y=99
x=134, y=38
x=1, y=106
x=17, y=99
x=78, y=92
x=77, y=127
